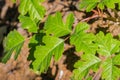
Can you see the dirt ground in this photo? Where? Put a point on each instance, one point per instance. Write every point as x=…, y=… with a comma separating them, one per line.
x=107, y=21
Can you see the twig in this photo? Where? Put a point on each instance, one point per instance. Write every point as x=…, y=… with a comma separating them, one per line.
x=89, y=18
x=98, y=74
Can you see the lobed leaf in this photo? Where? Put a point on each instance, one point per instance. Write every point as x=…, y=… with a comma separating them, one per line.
x=82, y=40
x=36, y=10
x=110, y=71
x=107, y=48
x=24, y=6
x=91, y=4
x=108, y=3
x=36, y=40
x=28, y=23
x=33, y=7
x=69, y=21
x=107, y=45
x=83, y=66
x=88, y=4
x=55, y=26
x=44, y=53
x=13, y=42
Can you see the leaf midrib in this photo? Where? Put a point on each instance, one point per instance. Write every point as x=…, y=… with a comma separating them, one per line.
x=97, y=61
x=50, y=51
x=61, y=27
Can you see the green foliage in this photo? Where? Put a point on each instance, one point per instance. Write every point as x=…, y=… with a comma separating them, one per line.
x=28, y=23
x=13, y=42
x=13, y=1
x=31, y=12
x=83, y=66
x=43, y=47
x=35, y=10
x=107, y=47
x=55, y=26
x=91, y=4
x=88, y=4
x=100, y=51
x=23, y=8
x=110, y=70
x=82, y=40
x=43, y=53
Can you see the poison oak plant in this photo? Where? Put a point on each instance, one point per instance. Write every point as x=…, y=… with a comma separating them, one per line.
x=13, y=42
x=91, y=4
x=108, y=56
x=101, y=53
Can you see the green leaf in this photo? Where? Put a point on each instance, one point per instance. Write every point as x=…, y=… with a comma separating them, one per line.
x=43, y=53
x=13, y=42
x=90, y=7
x=13, y=1
x=82, y=40
x=28, y=23
x=119, y=6
x=109, y=3
x=101, y=6
x=35, y=9
x=91, y=4
x=23, y=7
x=107, y=45
x=55, y=26
x=84, y=65
x=110, y=71
x=88, y=4
x=69, y=21
x=116, y=59
x=36, y=40
x=41, y=0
